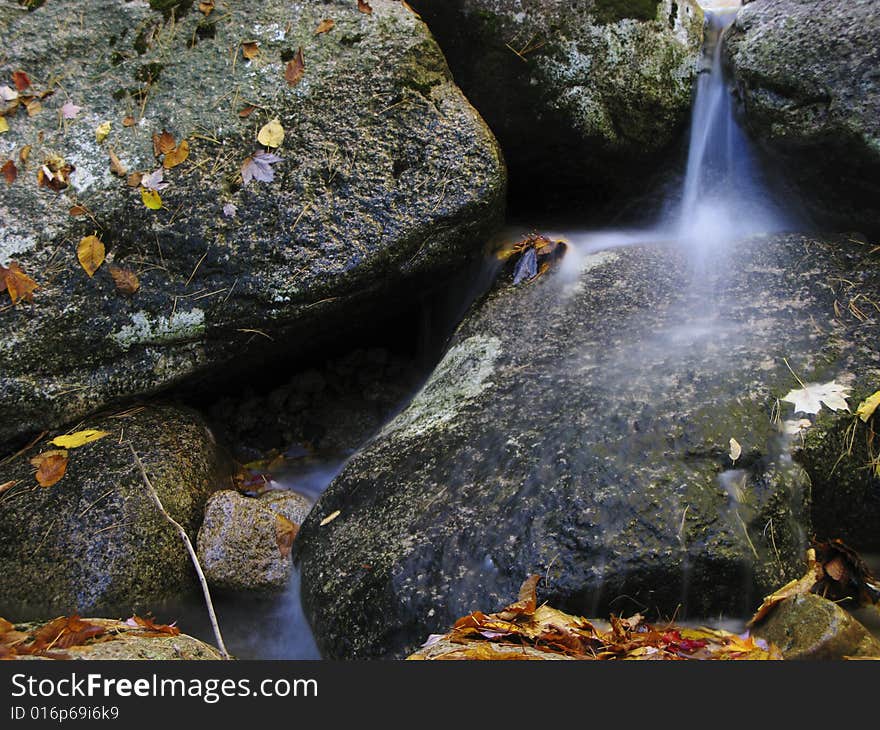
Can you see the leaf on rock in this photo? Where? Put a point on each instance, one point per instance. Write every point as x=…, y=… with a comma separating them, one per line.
x=325, y=25
x=177, y=155
x=799, y=587
x=163, y=143
x=10, y=171
x=285, y=532
x=21, y=80
x=812, y=396
x=329, y=518
x=63, y=633
x=79, y=438
x=868, y=406
x=4, y=125
x=365, y=7
x=51, y=466
x=735, y=450
x=70, y=110
x=271, y=134
x=246, y=111
x=24, y=154
x=154, y=181
x=116, y=166
x=206, y=7
x=150, y=626
x=33, y=108
x=54, y=173
x=151, y=199
x=134, y=179
x=847, y=577
x=527, y=600
x=258, y=167
x=250, y=49
x=229, y=210
x=90, y=253
x=126, y=281
x=7, y=94
x=16, y=283
x=526, y=267
x=128, y=121
x=102, y=131
x=293, y=74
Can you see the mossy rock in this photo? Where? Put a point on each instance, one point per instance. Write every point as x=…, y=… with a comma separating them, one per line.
x=389, y=181
x=95, y=542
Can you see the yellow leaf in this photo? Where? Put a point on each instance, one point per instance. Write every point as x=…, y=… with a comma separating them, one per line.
x=90, y=253
x=102, y=130
x=176, y=156
x=151, y=199
x=74, y=440
x=272, y=134
x=868, y=406
x=329, y=518
x=4, y=125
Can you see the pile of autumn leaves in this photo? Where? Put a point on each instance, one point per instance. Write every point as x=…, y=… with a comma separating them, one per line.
x=50, y=640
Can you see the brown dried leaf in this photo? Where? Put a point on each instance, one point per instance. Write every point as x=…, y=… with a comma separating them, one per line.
x=285, y=532
x=177, y=155
x=51, y=466
x=149, y=624
x=798, y=587
x=126, y=281
x=18, y=284
x=134, y=179
x=250, y=49
x=10, y=171
x=24, y=154
x=90, y=253
x=325, y=25
x=295, y=69
x=77, y=210
x=21, y=80
x=128, y=121
x=33, y=108
x=206, y=6
x=163, y=143
x=365, y=7
x=5, y=626
x=245, y=112
x=116, y=166
x=54, y=173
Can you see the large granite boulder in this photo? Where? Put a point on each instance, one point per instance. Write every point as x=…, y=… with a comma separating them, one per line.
x=94, y=541
x=388, y=180
x=580, y=427
x=584, y=96
x=808, y=72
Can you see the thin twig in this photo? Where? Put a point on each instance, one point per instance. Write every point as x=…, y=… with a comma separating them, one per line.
x=190, y=549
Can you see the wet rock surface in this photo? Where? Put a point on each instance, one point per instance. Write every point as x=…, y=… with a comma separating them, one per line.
x=809, y=76
x=388, y=179
x=584, y=96
x=95, y=541
x=578, y=427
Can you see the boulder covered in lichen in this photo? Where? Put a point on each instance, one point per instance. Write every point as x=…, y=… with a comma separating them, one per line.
x=375, y=177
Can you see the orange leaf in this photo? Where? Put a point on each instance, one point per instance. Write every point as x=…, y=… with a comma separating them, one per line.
x=325, y=25
x=250, y=49
x=90, y=253
x=10, y=171
x=17, y=283
x=206, y=6
x=77, y=210
x=365, y=7
x=128, y=121
x=126, y=281
x=163, y=143
x=24, y=154
x=245, y=112
x=295, y=69
x=174, y=157
x=285, y=531
x=51, y=466
x=134, y=179
x=149, y=624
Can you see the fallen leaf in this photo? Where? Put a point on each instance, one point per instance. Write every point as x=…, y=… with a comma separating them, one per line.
x=21, y=80
x=54, y=173
x=151, y=199
x=7, y=94
x=177, y=155
x=258, y=167
x=329, y=518
x=51, y=466
x=102, y=130
x=229, y=210
x=77, y=439
x=116, y=166
x=128, y=121
x=868, y=406
x=149, y=624
x=70, y=110
x=163, y=143
x=24, y=154
x=77, y=210
x=126, y=281
x=285, y=532
x=154, y=181
x=325, y=25
x=810, y=398
x=90, y=253
x=16, y=283
x=4, y=125
x=250, y=49
x=798, y=587
x=134, y=179
x=735, y=450
x=271, y=134
x=206, y=6
x=365, y=7
x=63, y=633
x=293, y=74
x=33, y=108
x=245, y=112
x=10, y=171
